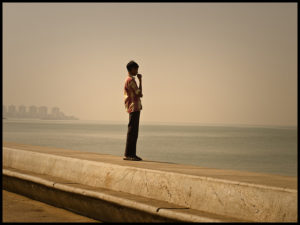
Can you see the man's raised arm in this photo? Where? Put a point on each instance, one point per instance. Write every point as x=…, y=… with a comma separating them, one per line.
x=135, y=88
x=140, y=87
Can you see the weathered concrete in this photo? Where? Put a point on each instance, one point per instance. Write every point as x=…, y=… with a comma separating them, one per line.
x=18, y=208
x=243, y=195
x=99, y=203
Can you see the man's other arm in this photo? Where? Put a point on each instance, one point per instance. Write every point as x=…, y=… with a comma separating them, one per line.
x=140, y=87
x=139, y=76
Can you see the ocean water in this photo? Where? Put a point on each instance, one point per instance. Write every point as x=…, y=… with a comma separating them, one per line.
x=257, y=149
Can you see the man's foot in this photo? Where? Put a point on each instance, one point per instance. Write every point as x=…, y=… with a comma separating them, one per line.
x=132, y=158
x=139, y=158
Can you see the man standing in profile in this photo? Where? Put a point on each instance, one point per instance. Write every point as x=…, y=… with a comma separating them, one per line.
x=132, y=95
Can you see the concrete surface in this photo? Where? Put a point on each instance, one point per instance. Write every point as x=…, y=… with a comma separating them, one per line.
x=232, y=175
x=99, y=203
x=18, y=208
x=243, y=195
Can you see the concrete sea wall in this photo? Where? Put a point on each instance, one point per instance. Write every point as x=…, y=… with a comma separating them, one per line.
x=162, y=191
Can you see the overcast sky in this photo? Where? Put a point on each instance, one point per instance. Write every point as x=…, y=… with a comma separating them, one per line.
x=213, y=63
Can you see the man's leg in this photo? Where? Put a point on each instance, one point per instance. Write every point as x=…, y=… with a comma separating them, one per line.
x=132, y=133
x=136, y=132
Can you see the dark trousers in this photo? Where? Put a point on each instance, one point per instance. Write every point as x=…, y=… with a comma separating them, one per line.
x=132, y=133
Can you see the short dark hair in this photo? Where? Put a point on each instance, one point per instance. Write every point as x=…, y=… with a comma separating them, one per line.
x=132, y=64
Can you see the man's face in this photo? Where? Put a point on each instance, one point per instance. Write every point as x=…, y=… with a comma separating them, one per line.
x=134, y=71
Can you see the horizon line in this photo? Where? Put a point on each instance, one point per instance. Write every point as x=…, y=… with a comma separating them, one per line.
x=196, y=123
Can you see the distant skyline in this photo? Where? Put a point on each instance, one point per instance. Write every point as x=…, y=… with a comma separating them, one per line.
x=204, y=63
x=33, y=111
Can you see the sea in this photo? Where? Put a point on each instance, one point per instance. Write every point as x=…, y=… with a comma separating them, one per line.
x=269, y=149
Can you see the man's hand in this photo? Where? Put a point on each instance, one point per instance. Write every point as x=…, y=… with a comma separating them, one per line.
x=139, y=76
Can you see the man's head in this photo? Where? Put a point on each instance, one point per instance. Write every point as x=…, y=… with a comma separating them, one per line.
x=132, y=68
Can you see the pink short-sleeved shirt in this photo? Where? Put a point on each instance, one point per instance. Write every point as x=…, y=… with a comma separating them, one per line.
x=131, y=99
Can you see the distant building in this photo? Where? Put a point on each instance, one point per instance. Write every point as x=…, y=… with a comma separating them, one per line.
x=12, y=111
x=61, y=115
x=32, y=111
x=43, y=112
x=22, y=111
x=35, y=112
x=55, y=112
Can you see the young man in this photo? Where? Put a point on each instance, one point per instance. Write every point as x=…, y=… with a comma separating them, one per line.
x=132, y=95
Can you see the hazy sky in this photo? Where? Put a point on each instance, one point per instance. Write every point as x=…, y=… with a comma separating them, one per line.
x=228, y=63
